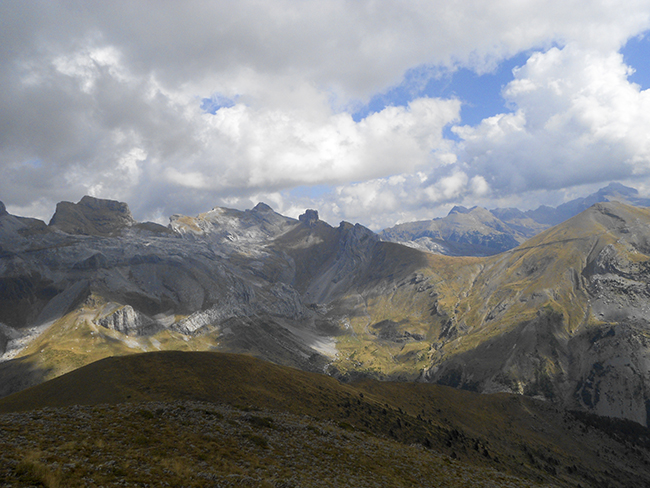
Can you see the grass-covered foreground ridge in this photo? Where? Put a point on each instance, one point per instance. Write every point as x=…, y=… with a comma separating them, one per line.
x=192, y=444
x=215, y=419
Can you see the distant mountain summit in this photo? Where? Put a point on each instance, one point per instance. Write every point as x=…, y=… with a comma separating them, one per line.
x=562, y=316
x=614, y=192
x=479, y=232
x=92, y=216
x=463, y=232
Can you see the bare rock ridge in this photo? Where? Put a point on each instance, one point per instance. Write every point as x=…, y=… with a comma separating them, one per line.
x=479, y=232
x=309, y=218
x=217, y=278
x=92, y=216
x=563, y=316
x=14, y=228
x=128, y=321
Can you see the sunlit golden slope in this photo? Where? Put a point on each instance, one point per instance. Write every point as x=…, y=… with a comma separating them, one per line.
x=524, y=321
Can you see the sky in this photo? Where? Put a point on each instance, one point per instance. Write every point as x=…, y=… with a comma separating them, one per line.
x=376, y=112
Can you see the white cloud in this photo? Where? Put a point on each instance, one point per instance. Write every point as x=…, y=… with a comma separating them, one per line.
x=106, y=99
x=578, y=120
x=382, y=202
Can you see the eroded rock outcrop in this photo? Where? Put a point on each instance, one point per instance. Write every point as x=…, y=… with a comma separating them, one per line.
x=309, y=218
x=15, y=230
x=92, y=216
x=129, y=321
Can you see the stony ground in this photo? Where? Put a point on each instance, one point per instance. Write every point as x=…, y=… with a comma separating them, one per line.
x=190, y=444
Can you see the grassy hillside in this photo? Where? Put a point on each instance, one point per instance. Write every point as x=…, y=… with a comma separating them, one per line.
x=563, y=316
x=412, y=293
x=76, y=340
x=455, y=437
x=523, y=321
x=192, y=444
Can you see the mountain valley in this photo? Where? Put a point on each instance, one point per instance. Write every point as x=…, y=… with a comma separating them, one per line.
x=563, y=317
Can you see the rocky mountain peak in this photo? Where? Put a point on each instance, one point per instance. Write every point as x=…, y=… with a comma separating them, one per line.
x=506, y=214
x=551, y=318
x=618, y=188
x=262, y=207
x=459, y=209
x=481, y=213
x=3, y=209
x=309, y=218
x=92, y=216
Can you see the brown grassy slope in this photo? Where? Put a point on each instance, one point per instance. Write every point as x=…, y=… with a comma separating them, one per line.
x=195, y=444
x=417, y=292
x=511, y=434
x=76, y=340
x=547, y=269
x=174, y=375
x=523, y=316
x=527, y=303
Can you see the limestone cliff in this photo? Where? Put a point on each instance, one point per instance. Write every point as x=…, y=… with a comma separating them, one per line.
x=92, y=216
x=563, y=316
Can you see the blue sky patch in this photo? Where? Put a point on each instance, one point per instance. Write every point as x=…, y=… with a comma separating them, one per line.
x=313, y=191
x=636, y=53
x=215, y=102
x=33, y=163
x=480, y=94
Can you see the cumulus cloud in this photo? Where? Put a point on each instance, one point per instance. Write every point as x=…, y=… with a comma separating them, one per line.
x=382, y=202
x=107, y=98
x=577, y=120
x=282, y=149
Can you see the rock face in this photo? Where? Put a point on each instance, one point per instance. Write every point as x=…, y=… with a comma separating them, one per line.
x=13, y=229
x=129, y=321
x=309, y=218
x=215, y=280
x=565, y=316
x=326, y=261
x=92, y=216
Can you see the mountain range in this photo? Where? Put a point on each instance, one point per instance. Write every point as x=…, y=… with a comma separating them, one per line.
x=562, y=317
x=481, y=232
